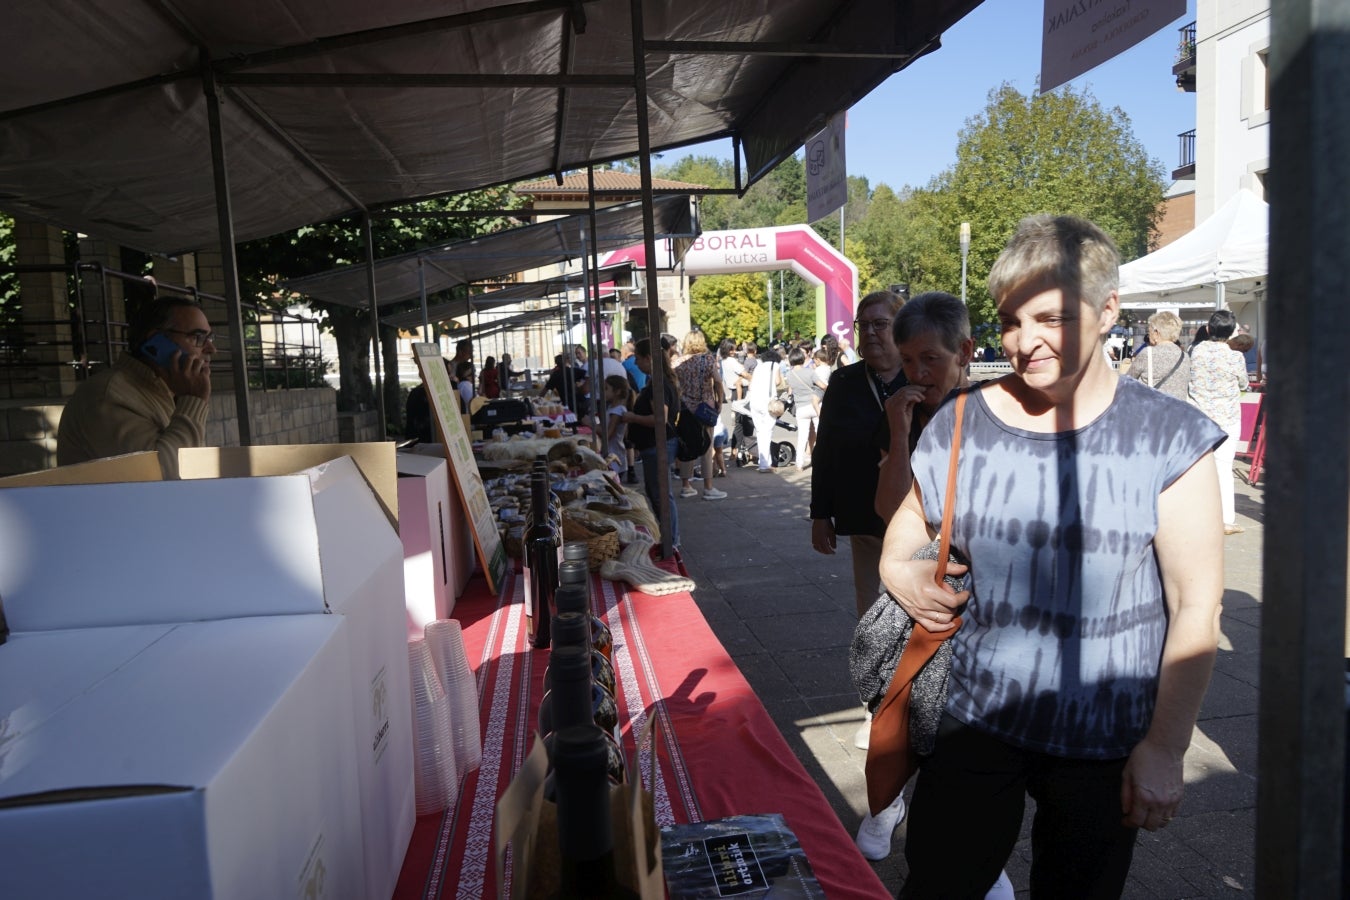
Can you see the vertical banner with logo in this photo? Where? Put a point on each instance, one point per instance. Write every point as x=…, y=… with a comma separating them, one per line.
x=459, y=454
x=1077, y=35
x=826, y=171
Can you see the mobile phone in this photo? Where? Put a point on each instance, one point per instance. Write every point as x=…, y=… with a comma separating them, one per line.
x=159, y=349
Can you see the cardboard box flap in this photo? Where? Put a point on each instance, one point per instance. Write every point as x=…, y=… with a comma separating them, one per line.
x=375, y=461
x=160, y=552
x=417, y=464
x=141, y=466
x=354, y=536
x=171, y=715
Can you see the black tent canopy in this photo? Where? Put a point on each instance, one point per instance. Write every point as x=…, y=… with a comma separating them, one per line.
x=329, y=107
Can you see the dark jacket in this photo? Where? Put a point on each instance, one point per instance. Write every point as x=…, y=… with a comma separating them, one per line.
x=641, y=436
x=851, y=435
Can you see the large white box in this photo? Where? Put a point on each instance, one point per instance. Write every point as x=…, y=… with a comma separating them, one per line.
x=94, y=555
x=101, y=555
x=203, y=760
x=362, y=562
x=424, y=528
x=459, y=545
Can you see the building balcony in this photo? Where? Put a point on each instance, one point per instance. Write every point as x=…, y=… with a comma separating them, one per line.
x=1187, y=167
x=1184, y=69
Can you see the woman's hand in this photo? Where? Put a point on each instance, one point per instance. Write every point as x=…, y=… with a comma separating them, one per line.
x=911, y=583
x=900, y=409
x=822, y=536
x=1151, y=786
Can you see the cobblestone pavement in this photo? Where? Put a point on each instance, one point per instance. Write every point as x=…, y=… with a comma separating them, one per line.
x=785, y=614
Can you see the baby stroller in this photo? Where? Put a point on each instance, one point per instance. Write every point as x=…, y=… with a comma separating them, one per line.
x=782, y=443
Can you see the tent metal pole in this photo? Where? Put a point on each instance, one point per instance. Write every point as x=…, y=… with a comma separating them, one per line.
x=1301, y=728
x=422, y=292
x=593, y=364
x=369, y=237
x=658, y=378
x=593, y=294
x=228, y=262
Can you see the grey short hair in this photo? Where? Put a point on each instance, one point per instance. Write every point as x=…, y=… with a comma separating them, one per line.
x=937, y=312
x=1168, y=326
x=891, y=301
x=1063, y=252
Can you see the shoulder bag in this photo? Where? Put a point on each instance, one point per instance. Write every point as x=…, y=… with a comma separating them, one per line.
x=913, y=697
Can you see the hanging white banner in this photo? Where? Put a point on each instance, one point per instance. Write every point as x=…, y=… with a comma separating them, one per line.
x=826, y=171
x=1080, y=34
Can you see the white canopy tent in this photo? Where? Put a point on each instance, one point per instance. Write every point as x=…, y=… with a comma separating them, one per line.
x=1223, y=261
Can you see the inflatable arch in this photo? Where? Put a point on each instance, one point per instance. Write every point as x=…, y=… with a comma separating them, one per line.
x=794, y=247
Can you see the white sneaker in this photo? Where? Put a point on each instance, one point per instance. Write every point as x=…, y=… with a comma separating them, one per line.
x=863, y=736
x=764, y=469
x=874, y=834
x=1002, y=889
x=714, y=494
x=689, y=492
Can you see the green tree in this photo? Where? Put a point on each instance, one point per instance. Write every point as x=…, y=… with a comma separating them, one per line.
x=9, y=281
x=730, y=306
x=1060, y=153
x=715, y=210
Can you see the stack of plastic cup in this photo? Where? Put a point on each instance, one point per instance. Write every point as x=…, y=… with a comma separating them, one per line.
x=447, y=649
x=435, y=775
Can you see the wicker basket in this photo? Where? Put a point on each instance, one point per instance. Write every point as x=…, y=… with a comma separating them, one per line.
x=602, y=541
x=602, y=547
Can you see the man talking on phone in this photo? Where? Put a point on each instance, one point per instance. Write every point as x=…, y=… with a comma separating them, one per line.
x=155, y=397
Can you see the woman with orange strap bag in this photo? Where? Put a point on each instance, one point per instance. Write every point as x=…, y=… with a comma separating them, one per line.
x=1087, y=635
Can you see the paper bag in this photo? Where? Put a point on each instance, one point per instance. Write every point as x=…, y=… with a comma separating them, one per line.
x=529, y=824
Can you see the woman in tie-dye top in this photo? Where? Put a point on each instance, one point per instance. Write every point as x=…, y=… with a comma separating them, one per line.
x=1083, y=501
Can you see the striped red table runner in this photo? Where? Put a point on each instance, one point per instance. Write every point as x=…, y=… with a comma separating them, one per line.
x=718, y=752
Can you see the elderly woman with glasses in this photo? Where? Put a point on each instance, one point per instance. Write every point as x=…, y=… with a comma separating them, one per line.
x=154, y=397
x=851, y=436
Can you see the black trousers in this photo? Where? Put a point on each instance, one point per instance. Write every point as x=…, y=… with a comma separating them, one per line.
x=967, y=811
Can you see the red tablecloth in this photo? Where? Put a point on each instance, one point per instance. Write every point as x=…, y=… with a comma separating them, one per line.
x=719, y=753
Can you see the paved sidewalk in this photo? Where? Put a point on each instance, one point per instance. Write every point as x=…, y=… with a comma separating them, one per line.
x=785, y=614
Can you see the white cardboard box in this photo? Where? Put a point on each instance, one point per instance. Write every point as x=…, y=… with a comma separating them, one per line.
x=203, y=760
x=424, y=528
x=458, y=534
x=362, y=562
x=92, y=555
x=221, y=548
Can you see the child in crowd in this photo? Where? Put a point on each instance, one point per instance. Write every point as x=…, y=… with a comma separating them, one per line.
x=720, y=437
x=618, y=400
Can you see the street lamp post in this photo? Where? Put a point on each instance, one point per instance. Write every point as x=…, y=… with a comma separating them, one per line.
x=965, y=252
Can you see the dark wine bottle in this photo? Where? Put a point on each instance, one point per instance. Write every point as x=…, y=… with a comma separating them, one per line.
x=614, y=764
x=585, y=829
x=541, y=561
x=570, y=629
x=575, y=698
x=573, y=595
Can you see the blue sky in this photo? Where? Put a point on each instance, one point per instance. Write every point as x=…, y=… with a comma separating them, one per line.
x=905, y=131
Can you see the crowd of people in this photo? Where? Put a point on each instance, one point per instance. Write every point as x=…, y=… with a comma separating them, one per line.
x=1084, y=634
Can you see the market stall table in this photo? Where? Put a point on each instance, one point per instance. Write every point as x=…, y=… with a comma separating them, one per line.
x=718, y=751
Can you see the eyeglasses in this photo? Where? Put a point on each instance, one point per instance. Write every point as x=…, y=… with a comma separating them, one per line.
x=198, y=337
x=876, y=326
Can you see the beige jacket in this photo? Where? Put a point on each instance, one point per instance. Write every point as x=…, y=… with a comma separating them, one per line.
x=127, y=408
